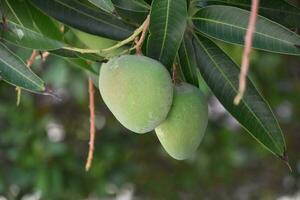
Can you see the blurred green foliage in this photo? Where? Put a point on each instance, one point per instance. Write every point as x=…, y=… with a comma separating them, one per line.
x=44, y=144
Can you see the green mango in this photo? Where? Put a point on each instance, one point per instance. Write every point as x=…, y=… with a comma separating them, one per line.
x=138, y=91
x=181, y=133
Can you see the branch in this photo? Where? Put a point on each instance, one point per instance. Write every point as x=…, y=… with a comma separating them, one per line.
x=140, y=42
x=92, y=125
x=247, y=51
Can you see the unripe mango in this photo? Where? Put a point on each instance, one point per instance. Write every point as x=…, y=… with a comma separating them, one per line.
x=138, y=91
x=181, y=133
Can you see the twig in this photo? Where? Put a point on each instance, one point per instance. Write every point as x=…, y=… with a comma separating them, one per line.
x=119, y=44
x=174, y=74
x=29, y=63
x=92, y=126
x=140, y=42
x=247, y=51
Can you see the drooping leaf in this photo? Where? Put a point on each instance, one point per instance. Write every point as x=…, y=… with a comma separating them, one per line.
x=187, y=60
x=277, y=10
x=14, y=71
x=229, y=24
x=27, y=38
x=78, y=15
x=254, y=114
x=132, y=10
x=167, y=26
x=105, y=5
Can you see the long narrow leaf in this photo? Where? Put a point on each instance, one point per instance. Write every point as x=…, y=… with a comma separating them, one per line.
x=277, y=10
x=14, y=71
x=187, y=59
x=167, y=26
x=27, y=38
x=254, y=114
x=229, y=24
x=77, y=15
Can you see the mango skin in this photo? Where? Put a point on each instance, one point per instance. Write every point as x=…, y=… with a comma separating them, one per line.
x=138, y=91
x=181, y=133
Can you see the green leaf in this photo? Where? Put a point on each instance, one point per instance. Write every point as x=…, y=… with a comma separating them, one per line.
x=21, y=13
x=105, y=5
x=14, y=71
x=229, y=24
x=27, y=38
x=167, y=25
x=254, y=114
x=187, y=60
x=277, y=10
x=44, y=24
x=78, y=15
x=132, y=10
x=82, y=64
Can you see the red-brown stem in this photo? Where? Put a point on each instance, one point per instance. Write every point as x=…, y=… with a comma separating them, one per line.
x=247, y=51
x=140, y=42
x=29, y=63
x=31, y=60
x=92, y=125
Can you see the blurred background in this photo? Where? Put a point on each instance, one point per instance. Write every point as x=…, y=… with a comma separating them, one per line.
x=44, y=144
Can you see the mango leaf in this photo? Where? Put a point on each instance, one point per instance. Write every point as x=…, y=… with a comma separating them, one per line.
x=132, y=10
x=14, y=71
x=277, y=10
x=229, y=24
x=105, y=5
x=44, y=24
x=21, y=13
x=254, y=114
x=167, y=25
x=78, y=15
x=187, y=60
x=27, y=38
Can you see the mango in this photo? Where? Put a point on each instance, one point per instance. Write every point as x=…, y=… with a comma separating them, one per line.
x=138, y=91
x=181, y=133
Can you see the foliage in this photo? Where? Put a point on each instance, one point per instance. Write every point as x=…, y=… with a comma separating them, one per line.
x=181, y=32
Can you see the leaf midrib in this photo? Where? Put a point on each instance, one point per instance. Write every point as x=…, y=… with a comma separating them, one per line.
x=165, y=30
x=14, y=69
x=242, y=28
x=221, y=71
x=83, y=13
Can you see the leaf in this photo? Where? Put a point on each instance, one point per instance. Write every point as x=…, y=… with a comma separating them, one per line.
x=20, y=13
x=229, y=24
x=167, y=25
x=105, y=5
x=14, y=71
x=44, y=24
x=254, y=114
x=82, y=64
x=78, y=15
x=27, y=38
x=132, y=10
x=277, y=10
x=187, y=60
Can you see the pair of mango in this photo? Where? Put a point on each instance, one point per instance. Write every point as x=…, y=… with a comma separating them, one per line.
x=139, y=92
